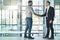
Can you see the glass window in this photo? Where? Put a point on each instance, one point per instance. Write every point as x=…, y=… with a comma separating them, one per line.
x=25, y=2
x=57, y=7
x=57, y=16
x=0, y=16
x=3, y=16
x=37, y=2
x=8, y=15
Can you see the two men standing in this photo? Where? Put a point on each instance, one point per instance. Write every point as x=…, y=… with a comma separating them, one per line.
x=50, y=13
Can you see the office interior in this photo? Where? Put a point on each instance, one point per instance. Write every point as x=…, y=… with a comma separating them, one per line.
x=13, y=24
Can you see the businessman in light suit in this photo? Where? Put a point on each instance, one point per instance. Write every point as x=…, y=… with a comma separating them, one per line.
x=50, y=13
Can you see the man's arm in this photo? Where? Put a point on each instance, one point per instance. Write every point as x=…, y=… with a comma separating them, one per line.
x=33, y=11
x=53, y=14
x=43, y=14
x=38, y=14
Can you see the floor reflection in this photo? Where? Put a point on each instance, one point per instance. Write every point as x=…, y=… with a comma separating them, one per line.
x=28, y=39
x=22, y=38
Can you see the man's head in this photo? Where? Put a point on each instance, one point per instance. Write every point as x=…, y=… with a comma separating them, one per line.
x=30, y=3
x=47, y=3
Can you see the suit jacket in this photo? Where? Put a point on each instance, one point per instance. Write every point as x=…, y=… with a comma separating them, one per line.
x=51, y=14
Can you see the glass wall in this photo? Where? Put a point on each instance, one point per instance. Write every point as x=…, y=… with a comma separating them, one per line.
x=57, y=16
x=9, y=10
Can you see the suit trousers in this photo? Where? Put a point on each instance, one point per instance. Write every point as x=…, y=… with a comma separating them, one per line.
x=49, y=28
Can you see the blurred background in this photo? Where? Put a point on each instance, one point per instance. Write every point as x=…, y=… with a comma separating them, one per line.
x=12, y=17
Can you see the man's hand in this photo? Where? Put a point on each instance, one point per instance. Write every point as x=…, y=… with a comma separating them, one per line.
x=38, y=15
x=50, y=21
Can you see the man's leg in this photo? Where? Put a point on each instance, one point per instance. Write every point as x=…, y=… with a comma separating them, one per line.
x=52, y=30
x=27, y=27
x=47, y=26
x=30, y=27
x=47, y=35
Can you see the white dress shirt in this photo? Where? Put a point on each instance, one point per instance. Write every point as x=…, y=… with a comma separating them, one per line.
x=47, y=11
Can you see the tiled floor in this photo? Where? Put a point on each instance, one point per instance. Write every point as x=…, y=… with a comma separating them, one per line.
x=22, y=38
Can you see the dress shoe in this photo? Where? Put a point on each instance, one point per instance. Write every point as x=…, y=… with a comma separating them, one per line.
x=45, y=37
x=30, y=37
x=25, y=37
x=51, y=38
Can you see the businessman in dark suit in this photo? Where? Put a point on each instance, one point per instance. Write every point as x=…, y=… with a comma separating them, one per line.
x=50, y=13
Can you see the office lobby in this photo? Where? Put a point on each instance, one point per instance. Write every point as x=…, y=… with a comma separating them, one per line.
x=13, y=23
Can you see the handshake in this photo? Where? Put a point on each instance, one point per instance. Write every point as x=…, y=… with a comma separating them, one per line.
x=38, y=14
